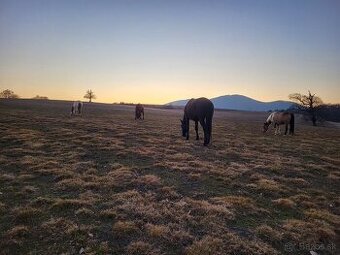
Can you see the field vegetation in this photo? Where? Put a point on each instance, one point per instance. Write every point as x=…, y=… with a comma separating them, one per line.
x=103, y=183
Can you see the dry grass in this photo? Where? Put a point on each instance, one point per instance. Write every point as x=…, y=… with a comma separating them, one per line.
x=284, y=202
x=111, y=185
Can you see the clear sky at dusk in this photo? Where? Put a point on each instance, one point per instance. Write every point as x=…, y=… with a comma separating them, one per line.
x=160, y=51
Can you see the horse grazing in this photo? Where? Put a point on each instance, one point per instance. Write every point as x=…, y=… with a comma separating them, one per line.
x=139, y=111
x=279, y=118
x=199, y=110
x=77, y=108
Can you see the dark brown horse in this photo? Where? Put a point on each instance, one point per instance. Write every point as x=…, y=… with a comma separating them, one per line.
x=139, y=112
x=199, y=110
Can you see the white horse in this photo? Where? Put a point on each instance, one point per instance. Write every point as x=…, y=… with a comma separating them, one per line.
x=77, y=108
x=279, y=118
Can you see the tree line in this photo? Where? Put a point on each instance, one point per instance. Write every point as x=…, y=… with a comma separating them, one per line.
x=309, y=105
x=9, y=94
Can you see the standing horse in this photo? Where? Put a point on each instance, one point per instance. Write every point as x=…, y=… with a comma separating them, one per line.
x=139, y=111
x=77, y=108
x=279, y=118
x=199, y=110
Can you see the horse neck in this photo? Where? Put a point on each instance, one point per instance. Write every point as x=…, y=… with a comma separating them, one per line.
x=185, y=117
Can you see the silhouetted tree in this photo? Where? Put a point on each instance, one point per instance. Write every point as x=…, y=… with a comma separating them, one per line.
x=90, y=95
x=307, y=103
x=8, y=94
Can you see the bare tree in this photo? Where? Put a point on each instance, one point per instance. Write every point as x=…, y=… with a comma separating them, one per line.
x=308, y=103
x=8, y=94
x=90, y=95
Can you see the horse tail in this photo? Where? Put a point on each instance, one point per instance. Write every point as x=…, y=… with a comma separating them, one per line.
x=292, y=120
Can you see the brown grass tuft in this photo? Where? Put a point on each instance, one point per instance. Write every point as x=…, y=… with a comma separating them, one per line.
x=150, y=180
x=109, y=213
x=323, y=215
x=26, y=214
x=84, y=212
x=268, y=185
x=269, y=234
x=240, y=204
x=16, y=234
x=284, y=202
x=29, y=189
x=68, y=204
x=157, y=230
x=2, y=207
x=59, y=226
x=308, y=232
x=208, y=245
x=123, y=228
x=7, y=177
x=141, y=248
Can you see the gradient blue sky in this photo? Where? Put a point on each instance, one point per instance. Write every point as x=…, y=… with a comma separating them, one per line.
x=159, y=51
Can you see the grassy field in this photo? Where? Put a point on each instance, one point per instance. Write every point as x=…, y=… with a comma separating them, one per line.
x=104, y=183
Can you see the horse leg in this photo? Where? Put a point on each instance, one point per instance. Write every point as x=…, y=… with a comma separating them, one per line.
x=286, y=129
x=275, y=129
x=208, y=123
x=196, y=129
x=204, y=126
x=187, y=124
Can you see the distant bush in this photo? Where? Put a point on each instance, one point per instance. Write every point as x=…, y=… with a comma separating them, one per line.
x=325, y=112
x=330, y=112
x=40, y=97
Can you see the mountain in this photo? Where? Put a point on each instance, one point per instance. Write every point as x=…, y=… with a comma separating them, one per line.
x=243, y=103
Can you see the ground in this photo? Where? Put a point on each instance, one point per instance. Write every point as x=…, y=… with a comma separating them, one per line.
x=104, y=183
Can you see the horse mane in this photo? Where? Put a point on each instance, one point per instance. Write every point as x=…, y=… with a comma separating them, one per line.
x=270, y=118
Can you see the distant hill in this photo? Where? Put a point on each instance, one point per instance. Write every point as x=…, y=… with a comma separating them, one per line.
x=242, y=103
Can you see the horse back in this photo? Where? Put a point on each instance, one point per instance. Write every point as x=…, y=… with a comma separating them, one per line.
x=197, y=109
x=282, y=117
x=139, y=108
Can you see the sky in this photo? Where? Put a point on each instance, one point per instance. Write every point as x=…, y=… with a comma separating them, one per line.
x=160, y=51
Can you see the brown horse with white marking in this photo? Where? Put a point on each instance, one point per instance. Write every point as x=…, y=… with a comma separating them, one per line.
x=279, y=118
x=139, y=111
